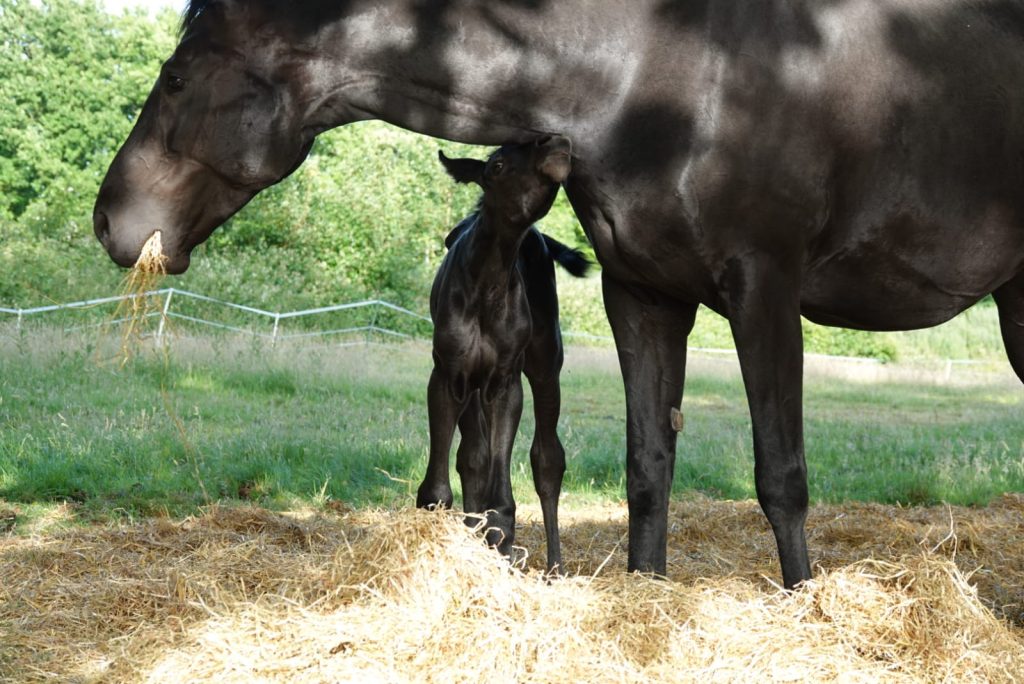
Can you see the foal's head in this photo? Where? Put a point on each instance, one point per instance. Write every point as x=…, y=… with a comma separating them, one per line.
x=519, y=181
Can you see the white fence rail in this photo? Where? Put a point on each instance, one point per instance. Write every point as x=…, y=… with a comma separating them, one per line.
x=175, y=300
x=273, y=319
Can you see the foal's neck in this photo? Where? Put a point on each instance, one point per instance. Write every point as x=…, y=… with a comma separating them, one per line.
x=493, y=249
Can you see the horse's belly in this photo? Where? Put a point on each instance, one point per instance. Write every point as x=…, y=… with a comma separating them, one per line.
x=851, y=295
x=904, y=276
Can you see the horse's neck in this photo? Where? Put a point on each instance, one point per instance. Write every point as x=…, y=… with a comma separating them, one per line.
x=477, y=72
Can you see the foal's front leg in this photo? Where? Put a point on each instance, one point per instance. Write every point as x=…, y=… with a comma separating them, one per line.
x=443, y=411
x=547, y=455
x=502, y=415
x=472, y=460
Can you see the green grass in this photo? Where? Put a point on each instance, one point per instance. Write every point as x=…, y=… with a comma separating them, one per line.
x=219, y=420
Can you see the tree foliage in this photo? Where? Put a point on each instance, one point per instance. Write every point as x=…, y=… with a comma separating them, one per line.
x=72, y=79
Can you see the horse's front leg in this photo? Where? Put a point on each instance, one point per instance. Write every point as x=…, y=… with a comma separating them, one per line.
x=1010, y=300
x=763, y=299
x=650, y=337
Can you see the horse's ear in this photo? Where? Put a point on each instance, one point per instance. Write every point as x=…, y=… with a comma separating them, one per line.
x=463, y=170
x=556, y=162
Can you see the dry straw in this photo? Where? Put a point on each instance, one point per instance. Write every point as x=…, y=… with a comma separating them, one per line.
x=242, y=594
x=136, y=309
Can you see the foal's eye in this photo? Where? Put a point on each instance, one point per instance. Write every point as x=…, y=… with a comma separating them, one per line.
x=497, y=166
x=174, y=84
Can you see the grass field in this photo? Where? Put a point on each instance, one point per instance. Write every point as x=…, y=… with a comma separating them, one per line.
x=217, y=419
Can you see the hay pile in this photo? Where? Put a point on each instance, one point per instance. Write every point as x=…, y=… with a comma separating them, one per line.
x=243, y=594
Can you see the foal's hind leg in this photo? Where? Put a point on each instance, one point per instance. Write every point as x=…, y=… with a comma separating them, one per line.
x=1010, y=300
x=547, y=456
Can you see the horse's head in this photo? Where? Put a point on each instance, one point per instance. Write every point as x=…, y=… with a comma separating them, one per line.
x=223, y=121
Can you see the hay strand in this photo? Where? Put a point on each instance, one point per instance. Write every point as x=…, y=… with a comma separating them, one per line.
x=136, y=308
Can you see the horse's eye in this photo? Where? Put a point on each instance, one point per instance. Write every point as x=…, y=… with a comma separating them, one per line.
x=174, y=83
x=497, y=167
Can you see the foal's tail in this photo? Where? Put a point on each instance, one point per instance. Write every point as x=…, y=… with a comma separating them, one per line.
x=572, y=260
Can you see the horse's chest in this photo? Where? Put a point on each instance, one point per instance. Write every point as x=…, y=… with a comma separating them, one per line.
x=643, y=235
x=677, y=230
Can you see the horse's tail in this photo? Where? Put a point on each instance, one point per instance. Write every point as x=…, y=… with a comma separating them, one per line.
x=572, y=260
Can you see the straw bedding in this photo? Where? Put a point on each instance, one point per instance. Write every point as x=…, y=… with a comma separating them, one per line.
x=243, y=594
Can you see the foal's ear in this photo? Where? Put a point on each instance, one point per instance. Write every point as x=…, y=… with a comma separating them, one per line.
x=556, y=162
x=463, y=170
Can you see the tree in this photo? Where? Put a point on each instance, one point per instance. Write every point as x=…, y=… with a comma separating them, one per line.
x=72, y=79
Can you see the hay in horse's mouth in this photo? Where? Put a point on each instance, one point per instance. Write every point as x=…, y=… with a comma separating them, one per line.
x=136, y=308
x=152, y=261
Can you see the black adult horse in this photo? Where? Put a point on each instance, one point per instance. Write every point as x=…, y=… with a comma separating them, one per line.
x=857, y=161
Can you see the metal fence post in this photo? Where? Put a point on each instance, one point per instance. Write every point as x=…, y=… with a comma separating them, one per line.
x=163, y=317
x=273, y=336
x=17, y=326
x=373, y=322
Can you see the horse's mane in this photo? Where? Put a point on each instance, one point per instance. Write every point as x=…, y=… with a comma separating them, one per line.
x=465, y=224
x=192, y=10
x=311, y=13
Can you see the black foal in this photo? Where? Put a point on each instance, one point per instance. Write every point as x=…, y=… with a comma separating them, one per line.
x=495, y=312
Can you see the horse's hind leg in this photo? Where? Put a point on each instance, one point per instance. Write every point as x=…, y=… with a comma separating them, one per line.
x=1010, y=300
x=547, y=456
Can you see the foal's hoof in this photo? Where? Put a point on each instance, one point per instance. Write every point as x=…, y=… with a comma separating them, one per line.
x=554, y=571
x=501, y=532
x=433, y=500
